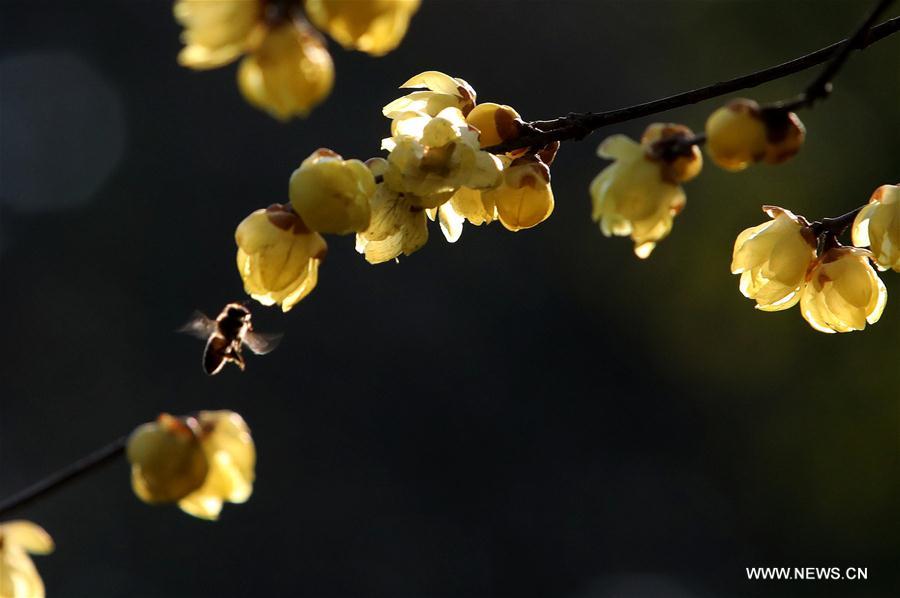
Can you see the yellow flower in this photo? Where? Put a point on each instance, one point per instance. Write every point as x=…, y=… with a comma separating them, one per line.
x=289, y=73
x=18, y=576
x=843, y=292
x=443, y=92
x=331, y=195
x=167, y=461
x=397, y=226
x=472, y=205
x=878, y=225
x=524, y=198
x=432, y=157
x=199, y=462
x=741, y=133
x=372, y=26
x=231, y=455
x=216, y=32
x=773, y=259
x=278, y=256
x=638, y=195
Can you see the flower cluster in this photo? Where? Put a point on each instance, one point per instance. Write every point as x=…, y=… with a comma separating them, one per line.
x=287, y=69
x=436, y=168
x=18, y=576
x=789, y=260
x=640, y=193
x=198, y=462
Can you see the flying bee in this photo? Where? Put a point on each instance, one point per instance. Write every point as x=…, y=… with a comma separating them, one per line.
x=226, y=336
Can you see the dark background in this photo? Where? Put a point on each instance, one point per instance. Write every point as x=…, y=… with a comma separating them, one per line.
x=530, y=414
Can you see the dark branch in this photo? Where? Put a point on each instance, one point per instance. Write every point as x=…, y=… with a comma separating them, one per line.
x=577, y=125
x=93, y=461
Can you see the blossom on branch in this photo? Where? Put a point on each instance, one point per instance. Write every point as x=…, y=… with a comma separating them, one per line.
x=742, y=133
x=278, y=256
x=372, y=26
x=198, y=462
x=878, y=226
x=773, y=259
x=216, y=33
x=290, y=72
x=639, y=194
x=330, y=194
x=844, y=291
x=18, y=576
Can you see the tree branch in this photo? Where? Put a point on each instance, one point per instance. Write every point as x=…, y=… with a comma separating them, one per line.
x=578, y=125
x=88, y=463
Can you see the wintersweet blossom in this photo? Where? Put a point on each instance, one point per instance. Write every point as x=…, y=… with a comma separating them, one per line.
x=289, y=73
x=844, y=292
x=330, y=194
x=278, y=256
x=18, y=576
x=878, y=226
x=639, y=194
x=216, y=33
x=441, y=91
x=199, y=462
x=773, y=259
x=396, y=227
x=372, y=26
x=431, y=158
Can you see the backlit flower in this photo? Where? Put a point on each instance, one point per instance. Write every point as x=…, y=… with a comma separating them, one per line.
x=278, y=256
x=878, y=226
x=773, y=259
x=442, y=91
x=289, y=73
x=495, y=123
x=199, y=462
x=432, y=157
x=18, y=576
x=397, y=226
x=331, y=195
x=524, y=198
x=217, y=32
x=844, y=291
x=638, y=194
x=372, y=26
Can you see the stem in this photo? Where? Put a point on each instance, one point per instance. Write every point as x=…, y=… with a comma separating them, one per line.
x=578, y=125
x=821, y=85
x=56, y=480
x=837, y=225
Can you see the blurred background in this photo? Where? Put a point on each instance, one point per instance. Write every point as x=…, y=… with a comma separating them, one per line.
x=529, y=414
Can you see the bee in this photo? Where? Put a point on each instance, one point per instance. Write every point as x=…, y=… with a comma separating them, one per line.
x=226, y=336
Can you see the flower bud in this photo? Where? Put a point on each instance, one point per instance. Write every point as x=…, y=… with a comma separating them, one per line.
x=495, y=123
x=736, y=135
x=372, y=26
x=524, y=198
x=331, y=195
x=278, y=256
x=167, y=462
x=773, y=259
x=741, y=133
x=844, y=292
x=289, y=73
x=878, y=225
x=680, y=162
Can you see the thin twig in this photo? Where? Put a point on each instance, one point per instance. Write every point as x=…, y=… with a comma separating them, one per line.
x=55, y=480
x=578, y=125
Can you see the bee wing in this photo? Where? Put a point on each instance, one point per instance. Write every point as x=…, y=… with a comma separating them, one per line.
x=199, y=325
x=261, y=343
